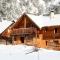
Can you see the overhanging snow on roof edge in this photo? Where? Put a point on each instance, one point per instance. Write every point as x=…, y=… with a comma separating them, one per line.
x=4, y=25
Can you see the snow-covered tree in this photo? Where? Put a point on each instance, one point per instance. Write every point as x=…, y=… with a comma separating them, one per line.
x=12, y=9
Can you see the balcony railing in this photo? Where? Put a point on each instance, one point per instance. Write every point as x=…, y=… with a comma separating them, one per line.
x=23, y=31
x=51, y=36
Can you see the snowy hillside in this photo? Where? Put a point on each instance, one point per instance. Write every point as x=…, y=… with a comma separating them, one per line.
x=18, y=52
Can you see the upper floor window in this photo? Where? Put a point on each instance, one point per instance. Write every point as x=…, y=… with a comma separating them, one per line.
x=55, y=30
x=45, y=29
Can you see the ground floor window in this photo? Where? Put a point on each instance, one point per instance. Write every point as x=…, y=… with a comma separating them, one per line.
x=56, y=42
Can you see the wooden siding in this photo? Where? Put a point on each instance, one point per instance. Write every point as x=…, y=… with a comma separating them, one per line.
x=49, y=32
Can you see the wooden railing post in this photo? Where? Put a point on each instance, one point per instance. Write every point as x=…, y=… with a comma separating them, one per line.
x=6, y=41
x=12, y=39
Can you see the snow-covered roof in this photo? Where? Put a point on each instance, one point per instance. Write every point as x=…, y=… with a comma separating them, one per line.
x=4, y=25
x=43, y=21
x=40, y=21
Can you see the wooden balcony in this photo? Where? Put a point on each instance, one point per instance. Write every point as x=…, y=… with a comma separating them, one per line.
x=51, y=36
x=21, y=31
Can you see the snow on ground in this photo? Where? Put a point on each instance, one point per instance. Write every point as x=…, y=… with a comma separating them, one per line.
x=18, y=52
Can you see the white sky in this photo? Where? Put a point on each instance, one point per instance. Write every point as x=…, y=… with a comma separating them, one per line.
x=56, y=2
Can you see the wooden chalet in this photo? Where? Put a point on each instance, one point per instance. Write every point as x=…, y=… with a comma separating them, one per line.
x=26, y=31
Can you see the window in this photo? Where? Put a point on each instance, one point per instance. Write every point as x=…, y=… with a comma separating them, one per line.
x=55, y=30
x=56, y=42
x=45, y=29
x=15, y=38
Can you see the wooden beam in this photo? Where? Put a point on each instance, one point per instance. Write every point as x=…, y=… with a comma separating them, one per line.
x=24, y=22
x=12, y=39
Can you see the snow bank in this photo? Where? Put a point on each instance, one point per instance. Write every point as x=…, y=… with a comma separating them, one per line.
x=18, y=52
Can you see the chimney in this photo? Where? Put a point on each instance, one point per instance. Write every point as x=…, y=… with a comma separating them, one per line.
x=52, y=14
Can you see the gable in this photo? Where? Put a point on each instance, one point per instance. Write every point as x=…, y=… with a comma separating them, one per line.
x=24, y=21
